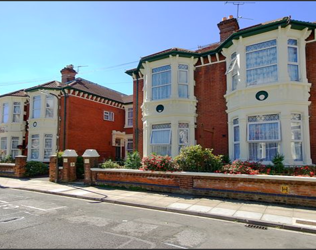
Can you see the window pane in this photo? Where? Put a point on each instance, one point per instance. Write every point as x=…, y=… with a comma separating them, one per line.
x=293, y=72
x=236, y=133
x=264, y=132
x=161, y=149
x=183, y=136
x=36, y=106
x=183, y=76
x=262, y=75
x=161, y=82
x=263, y=151
x=49, y=107
x=292, y=54
x=5, y=112
x=160, y=137
x=183, y=91
x=296, y=149
x=236, y=151
x=296, y=131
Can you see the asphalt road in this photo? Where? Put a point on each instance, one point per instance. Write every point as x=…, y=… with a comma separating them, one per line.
x=36, y=220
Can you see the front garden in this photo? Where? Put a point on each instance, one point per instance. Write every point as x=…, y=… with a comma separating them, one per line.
x=197, y=159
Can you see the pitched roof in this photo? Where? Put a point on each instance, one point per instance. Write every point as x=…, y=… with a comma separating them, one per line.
x=19, y=93
x=47, y=85
x=96, y=89
x=128, y=99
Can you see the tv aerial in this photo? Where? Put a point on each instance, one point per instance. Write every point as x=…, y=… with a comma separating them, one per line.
x=239, y=3
x=80, y=67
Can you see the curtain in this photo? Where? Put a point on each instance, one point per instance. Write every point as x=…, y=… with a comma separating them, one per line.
x=264, y=131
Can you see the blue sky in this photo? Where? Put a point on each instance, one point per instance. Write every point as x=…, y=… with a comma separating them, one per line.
x=38, y=39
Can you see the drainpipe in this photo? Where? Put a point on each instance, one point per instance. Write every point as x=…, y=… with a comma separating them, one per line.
x=136, y=131
x=65, y=116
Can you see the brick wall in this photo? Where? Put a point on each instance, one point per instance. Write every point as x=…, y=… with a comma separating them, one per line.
x=311, y=76
x=210, y=88
x=273, y=189
x=86, y=127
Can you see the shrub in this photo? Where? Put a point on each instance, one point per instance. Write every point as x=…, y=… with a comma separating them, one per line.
x=7, y=159
x=60, y=158
x=133, y=160
x=35, y=168
x=110, y=164
x=79, y=167
x=197, y=159
x=278, y=163
x=242, y=167
x=159, y=163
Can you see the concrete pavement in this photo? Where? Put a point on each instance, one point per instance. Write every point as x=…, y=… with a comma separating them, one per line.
x=253, y=214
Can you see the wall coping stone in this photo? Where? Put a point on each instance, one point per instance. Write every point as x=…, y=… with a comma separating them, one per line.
x=7, y=164
x=220, y=175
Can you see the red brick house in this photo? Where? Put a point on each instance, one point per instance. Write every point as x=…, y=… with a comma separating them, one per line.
x=72, y=114
x=251, y=95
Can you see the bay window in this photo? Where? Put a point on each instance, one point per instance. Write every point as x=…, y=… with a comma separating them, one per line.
x=261, y=63
x=34, y=147
x=14, y=146
x=183, y=130
x=263, y=136
x=5, y=112
x=296, y=137
x=36, y=112
x=160, y=139
x=183, y=87
x=236, y=139
x=161, y=82
x=292, y=59
x=16, y=111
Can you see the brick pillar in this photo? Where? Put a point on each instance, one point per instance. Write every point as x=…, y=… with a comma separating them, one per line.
x=53, y=168
x=69, y=171
x=20, y=163
x=90, y=158
x=69, y=165
x=89, y=162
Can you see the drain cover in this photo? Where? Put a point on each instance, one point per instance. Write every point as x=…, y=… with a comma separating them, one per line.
x=256, y=226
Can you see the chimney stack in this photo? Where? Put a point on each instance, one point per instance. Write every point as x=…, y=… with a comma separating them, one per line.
x=227, y=27
x=68, y=73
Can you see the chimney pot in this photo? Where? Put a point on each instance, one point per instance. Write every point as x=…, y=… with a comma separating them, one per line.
x=224, y=18
x=230, y=16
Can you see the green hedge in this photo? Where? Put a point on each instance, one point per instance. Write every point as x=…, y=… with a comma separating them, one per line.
x=35, y=168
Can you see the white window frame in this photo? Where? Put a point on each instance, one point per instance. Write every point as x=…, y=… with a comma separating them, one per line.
x=16, y=115
x=129, y=141
x=186, y=129
x=293, y=141
x=36, y=108
x=263, y=66
x=34, y=148
x=163, y=85
x=261, y=143
x=294, y=63
x=130, y=118
x=4, y=146
x=14, y=150
x=5, y=112
x=48, y=137
x=49, y=110
x=108, y=115
x=155, y=145
x=186, y=83
x=236, y=124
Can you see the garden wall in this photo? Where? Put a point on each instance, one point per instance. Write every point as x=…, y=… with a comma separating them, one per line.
x=274, y=189
x=16, y=169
